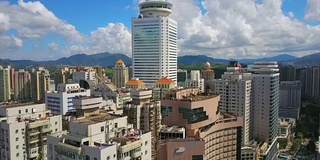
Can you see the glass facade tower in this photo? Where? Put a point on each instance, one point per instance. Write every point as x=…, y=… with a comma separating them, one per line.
x=154, y=42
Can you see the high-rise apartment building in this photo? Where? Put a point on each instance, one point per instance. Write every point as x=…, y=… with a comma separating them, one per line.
x=208, y=75
x=234, y=88
x=182, y=76
x=23, y=131
x=290, y=99
x=22, y=83
x=154, y=42
x=40, y=84
x=288, y=72
x=120, y=74
x=162, y=86
x=145, y=114
x=310, y=78
x=195, y=81
x=5, y=84
x=265, y=86
x=60, y=101
x=200, y=117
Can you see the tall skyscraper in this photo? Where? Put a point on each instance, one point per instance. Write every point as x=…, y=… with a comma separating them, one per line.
x=265, y=80
x=40, y=84
x=154, y=42
x=234, y=88
x=5, y=85
x=265, y=86
x=22, y=83
x=120, y=74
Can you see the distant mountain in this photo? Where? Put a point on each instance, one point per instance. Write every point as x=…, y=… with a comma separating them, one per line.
x=309, y=60
x=101, y=59
x=107, y=60
x=197, y=59
x=279, y=58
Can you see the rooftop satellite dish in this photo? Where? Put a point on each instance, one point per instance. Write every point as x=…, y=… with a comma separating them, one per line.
x=180, y=150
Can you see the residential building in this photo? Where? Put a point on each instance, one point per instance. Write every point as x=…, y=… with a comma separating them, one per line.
x=288, y=72
x=60, y=101
x=200, y=117
x=182, y=76
x=5, y=85
x=195, y=81
x=154, y=42
x=145, y=114
x=310, y=79
x=100, y=137
x=63, y=75
x=40, y=84
x=120, y=74
x=130, y=72
x=162, y=86
x=208, y=75
x=24, y=127
x=12, y=71
x=290, y=99
x=234, y=88
x=22, y=83
x=89, y=75
x=265, y=91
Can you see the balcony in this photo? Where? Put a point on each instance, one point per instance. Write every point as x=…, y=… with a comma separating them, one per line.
x=45, y=130
x=136, y=154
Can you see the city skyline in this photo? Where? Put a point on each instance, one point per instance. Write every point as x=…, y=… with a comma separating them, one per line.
x=220, y=29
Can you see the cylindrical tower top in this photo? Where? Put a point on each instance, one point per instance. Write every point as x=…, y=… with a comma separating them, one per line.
x=154, y=8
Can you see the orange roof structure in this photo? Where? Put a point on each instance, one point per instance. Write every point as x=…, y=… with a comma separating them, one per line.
x=238, y=65
x=134, y=82
x=119, y=62
x=165, y=80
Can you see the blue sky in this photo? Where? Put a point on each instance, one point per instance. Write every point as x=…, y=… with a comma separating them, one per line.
x=52, y=29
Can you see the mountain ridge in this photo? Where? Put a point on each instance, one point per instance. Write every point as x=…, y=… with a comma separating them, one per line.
x=108, y=59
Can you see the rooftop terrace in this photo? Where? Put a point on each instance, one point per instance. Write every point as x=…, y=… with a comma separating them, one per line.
x=97, y=118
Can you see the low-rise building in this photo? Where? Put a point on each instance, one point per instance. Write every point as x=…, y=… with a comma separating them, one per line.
x=100, y=137
x=60, y=101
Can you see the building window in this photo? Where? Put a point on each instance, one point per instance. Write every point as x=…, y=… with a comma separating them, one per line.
x=56, y=123
x=95, y=158
x=17, y=139
x=197, y=157
x=17, y=147
x=26, y=110
x=145, y=143
x=17, y=155
x=17, y=131
x=102, y=129
x=146, y=152
x=19, y=111
x=87, y=157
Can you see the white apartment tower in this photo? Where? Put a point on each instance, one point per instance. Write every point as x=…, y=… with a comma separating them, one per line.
x=195, y=81
x=23, y=131
x=234, y=88
x=265, y=85
x=154, y=42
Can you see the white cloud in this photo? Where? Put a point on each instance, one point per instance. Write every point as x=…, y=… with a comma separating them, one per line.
x=75, y=49
x=10, y=42
x=313, y=10
x=53, y=46
x=4, y=23
x=114, y=38
x=33, y=20
x=241, y=28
